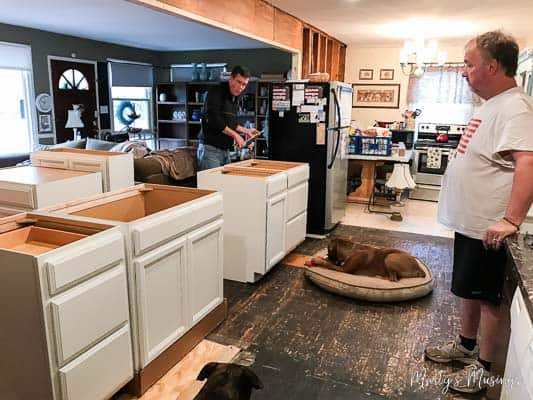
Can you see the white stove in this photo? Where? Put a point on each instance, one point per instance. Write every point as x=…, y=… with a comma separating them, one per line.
x=433, y=141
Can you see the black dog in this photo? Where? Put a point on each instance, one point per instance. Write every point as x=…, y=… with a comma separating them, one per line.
x=227, y=382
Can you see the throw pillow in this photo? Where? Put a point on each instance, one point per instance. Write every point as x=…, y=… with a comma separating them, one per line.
x=95, y=144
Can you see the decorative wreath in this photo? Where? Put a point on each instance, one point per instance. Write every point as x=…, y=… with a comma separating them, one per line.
x=126, y=113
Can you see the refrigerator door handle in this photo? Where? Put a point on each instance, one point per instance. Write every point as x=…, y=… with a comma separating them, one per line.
x=337, y=128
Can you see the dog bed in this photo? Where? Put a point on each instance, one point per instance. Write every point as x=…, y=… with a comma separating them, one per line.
x=369, y=288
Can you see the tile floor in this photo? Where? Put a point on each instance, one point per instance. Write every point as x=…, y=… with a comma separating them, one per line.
x=418, y=217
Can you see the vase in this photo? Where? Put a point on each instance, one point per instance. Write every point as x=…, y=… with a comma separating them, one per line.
x=203, y=72
x=195, y=72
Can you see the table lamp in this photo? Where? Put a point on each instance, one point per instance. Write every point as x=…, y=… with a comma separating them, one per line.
x=74, y=120
x=399, y=181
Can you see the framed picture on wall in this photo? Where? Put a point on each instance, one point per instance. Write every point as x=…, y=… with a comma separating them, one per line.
x=376, y=95
x=45, y=123
x=366, y=74
x=386, y=74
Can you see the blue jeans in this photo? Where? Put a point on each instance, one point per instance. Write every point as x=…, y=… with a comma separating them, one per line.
x=211, y=157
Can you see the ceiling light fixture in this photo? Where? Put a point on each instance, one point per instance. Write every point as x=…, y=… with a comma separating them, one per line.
x=416, y=55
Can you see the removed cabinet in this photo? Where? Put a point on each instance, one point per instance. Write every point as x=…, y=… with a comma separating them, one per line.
x=174, y=251
x=56, y=279
x=269, y=222
x=28, y=188
x=116, y=168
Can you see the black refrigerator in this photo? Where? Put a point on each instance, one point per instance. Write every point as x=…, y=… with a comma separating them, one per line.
x=309, y=123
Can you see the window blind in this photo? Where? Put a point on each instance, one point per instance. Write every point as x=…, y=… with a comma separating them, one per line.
x=131, y=75
x=15, y=56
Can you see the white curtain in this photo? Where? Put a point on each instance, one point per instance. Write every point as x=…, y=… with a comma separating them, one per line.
x=442, y=94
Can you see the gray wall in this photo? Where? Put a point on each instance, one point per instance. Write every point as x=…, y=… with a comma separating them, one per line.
x=257, y=60
x=45, y=43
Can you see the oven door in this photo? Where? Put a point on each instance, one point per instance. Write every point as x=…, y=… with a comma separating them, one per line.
x=427, y=175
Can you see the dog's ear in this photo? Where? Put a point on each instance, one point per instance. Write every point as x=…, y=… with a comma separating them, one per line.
x=207, y=370
x=252, y=378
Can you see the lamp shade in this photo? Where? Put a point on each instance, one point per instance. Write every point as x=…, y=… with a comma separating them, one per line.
x=73, y=119
x=401, y=178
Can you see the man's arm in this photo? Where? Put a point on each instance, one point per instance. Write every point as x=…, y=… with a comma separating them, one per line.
x=522, y=192
x=519, y=202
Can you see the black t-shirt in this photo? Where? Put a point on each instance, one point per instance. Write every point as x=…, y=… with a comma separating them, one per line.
x=220, y=110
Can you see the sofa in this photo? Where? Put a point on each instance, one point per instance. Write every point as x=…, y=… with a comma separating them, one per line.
x=146, y=168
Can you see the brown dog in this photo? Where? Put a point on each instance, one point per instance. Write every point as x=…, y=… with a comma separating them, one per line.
x=359, y=259
x=226, y=381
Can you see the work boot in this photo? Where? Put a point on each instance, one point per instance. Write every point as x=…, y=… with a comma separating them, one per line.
x=451, y=351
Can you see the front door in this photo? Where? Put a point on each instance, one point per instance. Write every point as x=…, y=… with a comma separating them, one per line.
x=74, y=82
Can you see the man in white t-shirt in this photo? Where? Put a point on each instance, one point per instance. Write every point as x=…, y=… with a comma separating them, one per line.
x=486, y=193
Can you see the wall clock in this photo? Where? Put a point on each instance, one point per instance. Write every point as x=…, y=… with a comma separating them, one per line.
x=43, y=102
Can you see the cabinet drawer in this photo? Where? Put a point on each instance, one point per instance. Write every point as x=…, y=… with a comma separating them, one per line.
x=295, y=231
x=88, y=165
x=49, y=162
x=297, y=200
x=160, y=228
x=101, y=371
x=297, y=175
x=82, y=260
x=17, y=195
x=276, y=184
x=87, y=313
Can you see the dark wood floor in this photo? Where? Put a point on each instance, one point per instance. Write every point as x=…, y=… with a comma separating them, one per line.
x=307, y=344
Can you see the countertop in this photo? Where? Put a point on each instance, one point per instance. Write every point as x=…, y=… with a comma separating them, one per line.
x=522, y=268
x=402, y=159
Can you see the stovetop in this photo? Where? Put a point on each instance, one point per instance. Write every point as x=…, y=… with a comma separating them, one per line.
x=427, y=132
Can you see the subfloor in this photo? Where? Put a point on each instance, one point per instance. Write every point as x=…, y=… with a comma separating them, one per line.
x=305, y=343
x=418, y=217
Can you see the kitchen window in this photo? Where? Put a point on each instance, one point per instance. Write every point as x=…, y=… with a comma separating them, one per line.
x=131, y=100
x=443, y=95
x=18, y=121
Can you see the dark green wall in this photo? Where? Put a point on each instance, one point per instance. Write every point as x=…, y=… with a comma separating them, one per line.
x=45, y=43
x=257, y=60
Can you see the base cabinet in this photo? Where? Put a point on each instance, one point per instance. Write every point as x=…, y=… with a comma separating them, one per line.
x=65, y=331
x=518, y=377
x=174, y=248
x=263, y=227
x=116, y=168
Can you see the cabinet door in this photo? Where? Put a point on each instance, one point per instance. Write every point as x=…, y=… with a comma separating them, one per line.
x=205, y=252
x=275, y=244
x=295, y=231
x=297, y=200
x=162, y=303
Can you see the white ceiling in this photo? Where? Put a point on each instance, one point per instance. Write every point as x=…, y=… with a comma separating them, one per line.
x=120, y=22
x=390, y=22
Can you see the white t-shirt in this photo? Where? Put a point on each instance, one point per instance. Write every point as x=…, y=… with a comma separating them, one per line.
x=477, y=184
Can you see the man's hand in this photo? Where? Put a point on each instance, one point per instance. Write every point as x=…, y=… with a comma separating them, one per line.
x=496, y=233
x=249, y=132
x=238, y=140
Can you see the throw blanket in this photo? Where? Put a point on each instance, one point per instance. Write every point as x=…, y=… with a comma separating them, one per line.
x=137, y=148
x=178, y=163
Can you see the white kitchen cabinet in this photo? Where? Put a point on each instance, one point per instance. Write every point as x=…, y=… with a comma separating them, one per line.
x=174, y=247
x=116, y=168
x=28, y=188
x=265, y=204
x=518, y=377
x=56, y=279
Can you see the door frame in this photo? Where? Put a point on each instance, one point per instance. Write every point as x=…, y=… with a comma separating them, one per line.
x=49, y=61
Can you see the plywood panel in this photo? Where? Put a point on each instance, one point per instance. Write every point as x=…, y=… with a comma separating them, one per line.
x=334, y=61
x=287, y=29
x=322, y=54
x=342, y=62
x=263, y=22
x=306, y=52
x=329, y=54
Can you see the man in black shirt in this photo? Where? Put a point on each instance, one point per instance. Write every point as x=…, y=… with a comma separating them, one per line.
x=220, y=127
